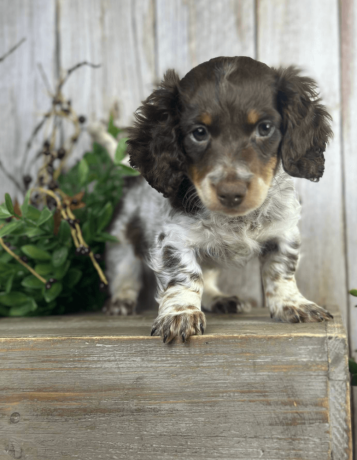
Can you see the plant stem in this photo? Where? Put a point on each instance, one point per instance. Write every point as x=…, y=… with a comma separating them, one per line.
x=15, y=256
x=76, y=233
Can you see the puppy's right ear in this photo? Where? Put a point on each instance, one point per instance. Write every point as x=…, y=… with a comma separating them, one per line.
x=153, y=143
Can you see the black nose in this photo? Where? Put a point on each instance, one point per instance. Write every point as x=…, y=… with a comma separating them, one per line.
x=231, y=194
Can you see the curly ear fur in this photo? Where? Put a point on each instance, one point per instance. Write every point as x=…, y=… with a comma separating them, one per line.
x=153, y=143
x=305, y=125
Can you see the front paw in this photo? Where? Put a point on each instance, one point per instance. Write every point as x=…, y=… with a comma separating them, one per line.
x=302, y=313
x=119, y=307
x=170, y=325
x=225, y=304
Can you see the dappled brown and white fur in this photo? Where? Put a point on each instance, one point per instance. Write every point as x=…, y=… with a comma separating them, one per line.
x=216, y=151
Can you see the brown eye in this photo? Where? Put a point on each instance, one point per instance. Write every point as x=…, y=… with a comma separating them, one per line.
x=200, y=134
x=265, y=129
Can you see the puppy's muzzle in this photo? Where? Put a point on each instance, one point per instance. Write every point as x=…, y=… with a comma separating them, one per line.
x=231, y=194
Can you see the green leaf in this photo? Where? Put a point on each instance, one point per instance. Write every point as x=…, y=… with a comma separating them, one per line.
x=83, y=171
x=32, y=213
x=88, y=230
x=120, y=151
x=8, y=285
x=9, y=205
x=32, y=282
x=6, y=257
x=104, y=217
x=60, y=272
x=25, y=205
x=112, y=129
x=72, y=277
x=43, y=269
x=4, y=267
x=23, y=310
x=64, y=232
x=104, y=236
x=11, y=227
x=354, y=381
x=49, y=226
x=352, y=365
x=4, y=311
x=127, y=171
x=54, y=291
x=91, y=158
x=32, y=232
x=35, y=253
x=12, y=299
x=44, y=216
x=353, y=292
x=59, y=256
x=4, y=213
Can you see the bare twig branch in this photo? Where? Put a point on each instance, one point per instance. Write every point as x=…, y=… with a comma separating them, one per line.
x=31, y=139
x=72, y=69
x=45, y=79
x=12, y=178
x=2, y=58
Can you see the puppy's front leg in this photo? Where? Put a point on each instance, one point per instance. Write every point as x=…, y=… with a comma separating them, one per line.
x=180, y=287
x=280, y=257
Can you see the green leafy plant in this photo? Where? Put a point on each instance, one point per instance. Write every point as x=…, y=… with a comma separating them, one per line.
x=45, y=265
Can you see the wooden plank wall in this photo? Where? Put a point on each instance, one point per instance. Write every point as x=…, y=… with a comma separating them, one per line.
x=135, y=41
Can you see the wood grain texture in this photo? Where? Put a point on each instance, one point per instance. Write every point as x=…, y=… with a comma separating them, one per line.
x=349, y=112
x=23, y=95
x=299, y=33
x=78, y=387
x=120, y=37
x=194, y=31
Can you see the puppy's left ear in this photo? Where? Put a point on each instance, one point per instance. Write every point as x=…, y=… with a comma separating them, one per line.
x=305, y=125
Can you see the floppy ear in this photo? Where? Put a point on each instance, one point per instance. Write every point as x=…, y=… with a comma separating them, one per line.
x=153, y=143
x=305, y=125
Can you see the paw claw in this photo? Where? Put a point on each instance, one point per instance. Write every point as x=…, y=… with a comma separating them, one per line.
x=227, y=304
x=153, y=330
x=119, y=307
x=202, y=329
x=181, y=325
x=302, y=313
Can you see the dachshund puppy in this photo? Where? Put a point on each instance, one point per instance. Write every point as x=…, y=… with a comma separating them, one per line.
x=216, y=150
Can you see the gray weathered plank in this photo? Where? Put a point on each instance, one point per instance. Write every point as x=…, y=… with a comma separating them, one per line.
x=194, y=31
x=189, y=33
x=23, y=95
x=300, y=33
x=92, y=387
x=349, y=103
x=120, y=37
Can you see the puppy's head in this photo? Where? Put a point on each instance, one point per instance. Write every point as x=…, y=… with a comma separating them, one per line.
x=224, y=128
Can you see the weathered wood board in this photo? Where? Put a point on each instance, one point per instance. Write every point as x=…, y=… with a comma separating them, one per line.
x=348, y=27
x=23, y=95
x=92, y=387
x=287, y=35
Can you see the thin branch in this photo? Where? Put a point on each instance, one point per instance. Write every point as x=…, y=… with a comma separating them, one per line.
x=44, y=78
x=51, y=112
x=31, y=139
x=12, y=178
x=15, y=256
x=72, y=69
x=2, y=58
